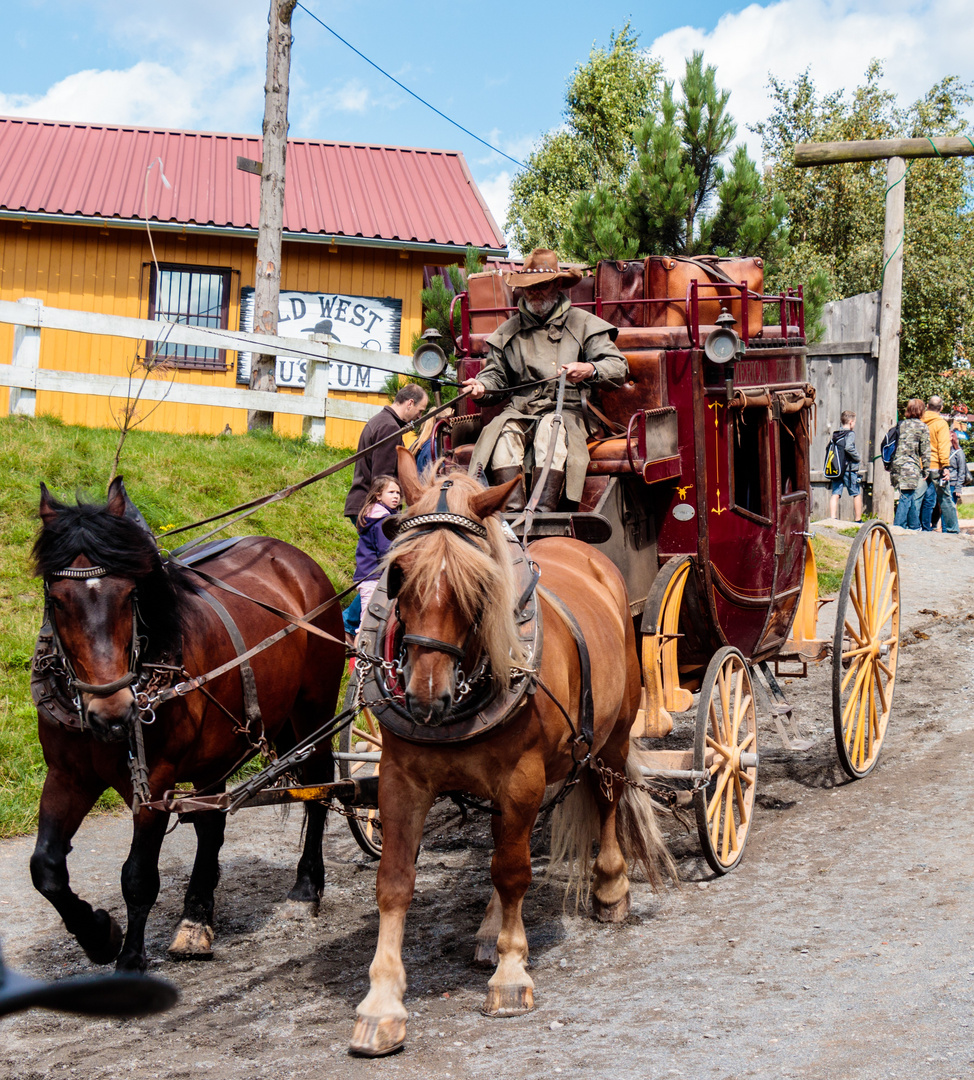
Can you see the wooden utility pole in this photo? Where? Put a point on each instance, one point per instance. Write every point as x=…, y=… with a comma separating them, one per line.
x=895, y=151
x=270, y=227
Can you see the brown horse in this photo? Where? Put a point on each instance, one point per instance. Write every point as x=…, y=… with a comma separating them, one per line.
x=119, y=610
x=456, y=601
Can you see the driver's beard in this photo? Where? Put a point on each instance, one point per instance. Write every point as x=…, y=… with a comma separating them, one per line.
x=540, y=308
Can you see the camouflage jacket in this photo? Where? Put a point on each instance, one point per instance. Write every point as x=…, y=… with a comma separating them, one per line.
x=912, y=455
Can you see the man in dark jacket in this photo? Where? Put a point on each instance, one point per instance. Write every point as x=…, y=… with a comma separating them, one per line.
x=410, y=403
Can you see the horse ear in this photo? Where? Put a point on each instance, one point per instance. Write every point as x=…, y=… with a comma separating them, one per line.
x=409, y=482
x=485, y=503
x=48, y=508
x=117, y=498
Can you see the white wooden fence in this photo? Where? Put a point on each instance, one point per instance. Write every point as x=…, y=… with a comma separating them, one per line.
x=25, y=376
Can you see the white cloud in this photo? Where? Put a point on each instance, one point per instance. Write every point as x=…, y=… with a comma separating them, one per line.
x=496, y=190
x=918, y=42
x=352, y=98
x=147, y=93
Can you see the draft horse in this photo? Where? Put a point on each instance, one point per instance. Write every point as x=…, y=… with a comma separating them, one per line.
x=121, y=615
x=456, y=602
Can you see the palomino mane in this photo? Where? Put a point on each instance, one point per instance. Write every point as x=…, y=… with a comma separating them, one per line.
x=123, y=547
x=481, y=581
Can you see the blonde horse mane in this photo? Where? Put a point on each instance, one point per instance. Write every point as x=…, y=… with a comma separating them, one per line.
x=481, y=582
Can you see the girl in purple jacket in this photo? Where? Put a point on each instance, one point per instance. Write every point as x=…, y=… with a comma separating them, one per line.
x=382, y=500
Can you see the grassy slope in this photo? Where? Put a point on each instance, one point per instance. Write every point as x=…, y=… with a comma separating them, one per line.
x=174, y=480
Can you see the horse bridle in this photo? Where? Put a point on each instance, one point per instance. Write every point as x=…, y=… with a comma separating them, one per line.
x=99, y=690
x=441, y=518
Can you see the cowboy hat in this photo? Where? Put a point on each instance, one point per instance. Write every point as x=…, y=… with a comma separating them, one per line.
x=541, y=266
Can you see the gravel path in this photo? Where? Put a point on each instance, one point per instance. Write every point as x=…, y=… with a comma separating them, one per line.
x=841, y=947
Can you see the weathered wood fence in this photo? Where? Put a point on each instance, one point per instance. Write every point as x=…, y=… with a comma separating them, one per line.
x=843, y=369
x=25, y=377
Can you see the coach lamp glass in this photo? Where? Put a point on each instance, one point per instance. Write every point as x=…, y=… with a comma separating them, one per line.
x=723, y=347
x=429, y=361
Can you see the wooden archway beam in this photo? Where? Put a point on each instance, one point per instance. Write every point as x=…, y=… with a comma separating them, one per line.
x=834, y=153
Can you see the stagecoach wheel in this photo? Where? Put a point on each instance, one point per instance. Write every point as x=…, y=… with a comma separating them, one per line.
x=864, y=649
x=726, y=745
x=364, y=735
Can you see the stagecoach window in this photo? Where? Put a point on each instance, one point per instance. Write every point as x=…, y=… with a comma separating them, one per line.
x=750, y=461
x=195, y=296
x=792, y=460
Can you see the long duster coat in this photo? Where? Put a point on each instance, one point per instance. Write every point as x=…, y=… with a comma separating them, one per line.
x=526, y=348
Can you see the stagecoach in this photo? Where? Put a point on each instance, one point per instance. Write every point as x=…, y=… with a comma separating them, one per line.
x=698, y=491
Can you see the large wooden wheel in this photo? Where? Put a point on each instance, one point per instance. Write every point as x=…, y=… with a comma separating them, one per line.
x=864, y=649
x=726, y=746
x=363, y=736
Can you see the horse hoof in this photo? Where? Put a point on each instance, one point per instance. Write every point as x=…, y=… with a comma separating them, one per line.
x=376, y=1036
x=299, y=910
x=508, y=1001
x=612, y=913
x=485, y=954
x=111, y=937
x=193, y=941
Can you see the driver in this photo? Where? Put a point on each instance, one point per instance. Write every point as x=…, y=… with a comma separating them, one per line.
x=547, y=336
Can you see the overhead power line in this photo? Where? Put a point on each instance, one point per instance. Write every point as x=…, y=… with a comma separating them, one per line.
x=423, y=101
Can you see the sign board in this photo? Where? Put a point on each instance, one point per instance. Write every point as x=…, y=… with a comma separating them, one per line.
x=367, y=322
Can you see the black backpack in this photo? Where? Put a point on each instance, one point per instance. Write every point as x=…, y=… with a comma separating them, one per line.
x=835, y=456
x=887, y=448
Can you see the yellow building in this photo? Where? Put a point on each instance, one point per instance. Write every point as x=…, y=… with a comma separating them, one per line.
x=163, y=225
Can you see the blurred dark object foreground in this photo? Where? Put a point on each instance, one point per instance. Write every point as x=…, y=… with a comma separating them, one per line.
x=92, y=995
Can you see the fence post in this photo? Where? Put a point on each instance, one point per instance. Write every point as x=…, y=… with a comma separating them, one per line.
x=316, y=386
x=27, y=354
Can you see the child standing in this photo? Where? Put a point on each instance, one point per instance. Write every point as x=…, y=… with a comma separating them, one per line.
x=382, y=500
x=849, y=479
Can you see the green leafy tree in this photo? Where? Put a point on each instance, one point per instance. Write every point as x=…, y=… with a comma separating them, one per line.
x=606, y=98
x=837, y=212
x=678, y=198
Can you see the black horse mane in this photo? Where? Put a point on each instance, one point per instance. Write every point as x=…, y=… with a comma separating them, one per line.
x=123, y=546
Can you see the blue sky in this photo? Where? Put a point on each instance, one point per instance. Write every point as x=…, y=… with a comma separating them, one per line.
x=499, y=69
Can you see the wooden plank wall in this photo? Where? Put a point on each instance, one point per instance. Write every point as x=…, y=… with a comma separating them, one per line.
x=842, y=368
x=105, y=270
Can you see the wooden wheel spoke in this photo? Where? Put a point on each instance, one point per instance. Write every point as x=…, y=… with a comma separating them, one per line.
x=854, y=670
x=367, y=736
x=854, y=633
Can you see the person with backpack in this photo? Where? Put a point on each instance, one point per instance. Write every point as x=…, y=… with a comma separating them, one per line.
x=843, y=469
x=910, y=465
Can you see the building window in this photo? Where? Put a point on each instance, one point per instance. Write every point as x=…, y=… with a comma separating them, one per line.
x=195, y=296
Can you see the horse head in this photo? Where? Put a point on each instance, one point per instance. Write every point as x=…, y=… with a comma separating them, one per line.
x=454, y=587
x=95, y=561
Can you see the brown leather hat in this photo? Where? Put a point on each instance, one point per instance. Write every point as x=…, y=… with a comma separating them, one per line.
x=541, y=266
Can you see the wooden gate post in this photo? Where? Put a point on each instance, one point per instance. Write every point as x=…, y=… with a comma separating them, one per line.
x=27, y=354
x=890, y=317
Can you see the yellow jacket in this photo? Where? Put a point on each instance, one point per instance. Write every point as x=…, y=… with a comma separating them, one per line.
x=939, y=439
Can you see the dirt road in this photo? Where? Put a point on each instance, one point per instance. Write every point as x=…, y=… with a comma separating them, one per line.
x=843, y=946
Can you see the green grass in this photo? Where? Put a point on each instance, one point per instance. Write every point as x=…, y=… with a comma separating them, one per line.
x=174, y=480
x=830, y=560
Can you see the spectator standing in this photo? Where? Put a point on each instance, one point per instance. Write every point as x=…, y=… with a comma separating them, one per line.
x=959, y=471
x=410, y=404
x=381, y=500
x=910, y=465
x=845, y=437
x=938, y=493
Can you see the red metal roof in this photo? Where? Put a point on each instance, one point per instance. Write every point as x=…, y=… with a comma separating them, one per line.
x=384, y=193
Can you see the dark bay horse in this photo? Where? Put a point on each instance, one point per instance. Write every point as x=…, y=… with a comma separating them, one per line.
x=456, y=598
x=117, y=607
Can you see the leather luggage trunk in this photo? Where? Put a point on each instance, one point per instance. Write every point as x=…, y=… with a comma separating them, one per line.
x=621, y=281
x=487, y=290
x=669, y=278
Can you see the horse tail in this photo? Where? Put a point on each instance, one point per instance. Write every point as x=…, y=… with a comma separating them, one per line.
x=637, y=827
x=575, y=827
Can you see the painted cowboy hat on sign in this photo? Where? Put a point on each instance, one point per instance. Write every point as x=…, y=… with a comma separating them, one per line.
x=541, y=266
